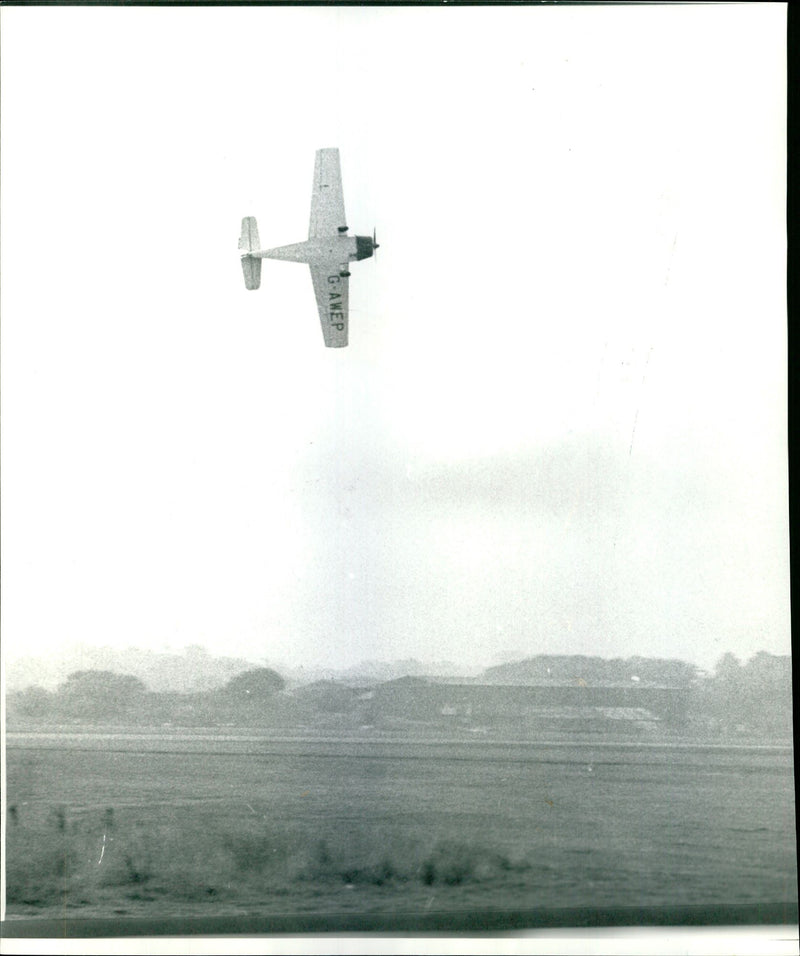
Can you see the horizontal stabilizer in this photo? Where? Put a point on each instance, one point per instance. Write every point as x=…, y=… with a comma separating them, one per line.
x=249, y=237
x=251, y=266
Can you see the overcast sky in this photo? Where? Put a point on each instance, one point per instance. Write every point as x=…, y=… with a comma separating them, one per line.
x=560, y=423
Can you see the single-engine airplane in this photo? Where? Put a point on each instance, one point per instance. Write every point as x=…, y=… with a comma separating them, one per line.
x=328, y=249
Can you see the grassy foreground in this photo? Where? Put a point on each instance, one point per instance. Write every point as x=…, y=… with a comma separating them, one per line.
x=78, y=862
x=104, y=827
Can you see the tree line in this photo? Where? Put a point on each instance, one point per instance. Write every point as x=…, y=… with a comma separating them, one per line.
x=94, y=696
x=738, y=698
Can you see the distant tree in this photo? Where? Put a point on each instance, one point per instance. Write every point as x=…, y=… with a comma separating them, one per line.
x=33, y=703
x=766, y=697
x=99, y=694
x=728, y=668
x=261, y=683
x=595, y=671
x=104, y=683
x=752, y=698
x=770, y=669
x=658, y=670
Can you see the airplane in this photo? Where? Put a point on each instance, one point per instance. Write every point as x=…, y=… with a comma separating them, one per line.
x=328, y=250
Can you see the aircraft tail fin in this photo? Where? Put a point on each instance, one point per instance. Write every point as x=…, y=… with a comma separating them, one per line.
x=252, y=272
x=248, y=242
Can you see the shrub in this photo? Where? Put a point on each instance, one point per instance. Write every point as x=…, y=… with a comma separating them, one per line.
x=64, y=861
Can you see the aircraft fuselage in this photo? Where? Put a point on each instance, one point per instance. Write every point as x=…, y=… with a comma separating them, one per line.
x=322, y=249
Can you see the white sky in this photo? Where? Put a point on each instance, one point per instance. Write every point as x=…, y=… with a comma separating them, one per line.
x=560, y=423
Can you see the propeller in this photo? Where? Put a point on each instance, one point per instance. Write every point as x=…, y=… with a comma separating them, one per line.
x=374, y=243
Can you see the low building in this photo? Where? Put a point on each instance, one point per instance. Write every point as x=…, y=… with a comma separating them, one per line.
x=579, y=707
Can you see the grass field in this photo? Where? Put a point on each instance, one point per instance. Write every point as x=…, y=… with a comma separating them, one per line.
x=109, y=825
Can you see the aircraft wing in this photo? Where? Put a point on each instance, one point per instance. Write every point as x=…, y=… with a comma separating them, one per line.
x=327, y=199
x=331, y=290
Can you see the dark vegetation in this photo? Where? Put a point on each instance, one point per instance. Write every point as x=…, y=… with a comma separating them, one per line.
x=552, y=669
x=191, y=670
x=753, y=696
x=78, y=859
x=739, y=699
